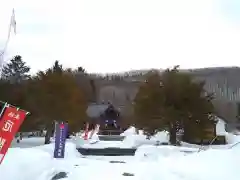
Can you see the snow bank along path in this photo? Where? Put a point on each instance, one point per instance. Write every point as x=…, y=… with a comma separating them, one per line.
x=150, y=162
x=29, y=163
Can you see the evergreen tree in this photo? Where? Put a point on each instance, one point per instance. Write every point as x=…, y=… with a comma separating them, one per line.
x=57, y=68
x=86, y=84
x=170, y=100
x=15, y=71
x=147, y=105
x=81, y=69
x=13, y=83
x=59, y=98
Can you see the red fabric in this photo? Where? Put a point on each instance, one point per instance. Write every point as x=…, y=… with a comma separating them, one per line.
x=9, y=125
x=86, y=132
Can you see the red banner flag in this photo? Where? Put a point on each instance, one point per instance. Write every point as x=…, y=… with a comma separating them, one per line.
x=9, y=124
x=86, y=132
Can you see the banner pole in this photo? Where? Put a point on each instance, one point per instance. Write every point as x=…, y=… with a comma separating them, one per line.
x=54, y=133
x=14, y=107
x=5, y=105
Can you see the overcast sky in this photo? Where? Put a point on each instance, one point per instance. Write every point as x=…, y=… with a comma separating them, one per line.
x=120, y=35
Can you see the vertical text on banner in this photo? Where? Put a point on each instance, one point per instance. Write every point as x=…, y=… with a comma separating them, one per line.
x=60, y=140
x=10, y=122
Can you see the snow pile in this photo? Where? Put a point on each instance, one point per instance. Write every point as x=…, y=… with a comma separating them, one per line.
x=70, y=150
x=232, y=138
x=221, y=131
x=24, y=164
x=211, y=164
x=30, y=163
x=158, y=152
x=130, y=131
x=162, y=136
x=220, y=127
x=136, y=140
x=95, y=137
x=79, y=141
x=172, y=163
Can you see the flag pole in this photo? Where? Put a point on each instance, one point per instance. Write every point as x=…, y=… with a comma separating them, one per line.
x=5, y=105
x=12, y=23
x=12, y=20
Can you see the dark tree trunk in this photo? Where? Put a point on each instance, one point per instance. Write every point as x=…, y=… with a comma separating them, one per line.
x=173, y=137
x=186, y=135
x=49, y=133
x=47, y=137
x=94, y=92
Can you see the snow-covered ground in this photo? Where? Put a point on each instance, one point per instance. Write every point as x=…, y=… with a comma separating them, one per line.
x=150, y=162
x=28, y=142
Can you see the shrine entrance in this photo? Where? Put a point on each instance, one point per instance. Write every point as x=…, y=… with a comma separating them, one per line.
x=109, y=120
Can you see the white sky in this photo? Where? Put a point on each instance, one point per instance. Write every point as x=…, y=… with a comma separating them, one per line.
x=120, y=35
